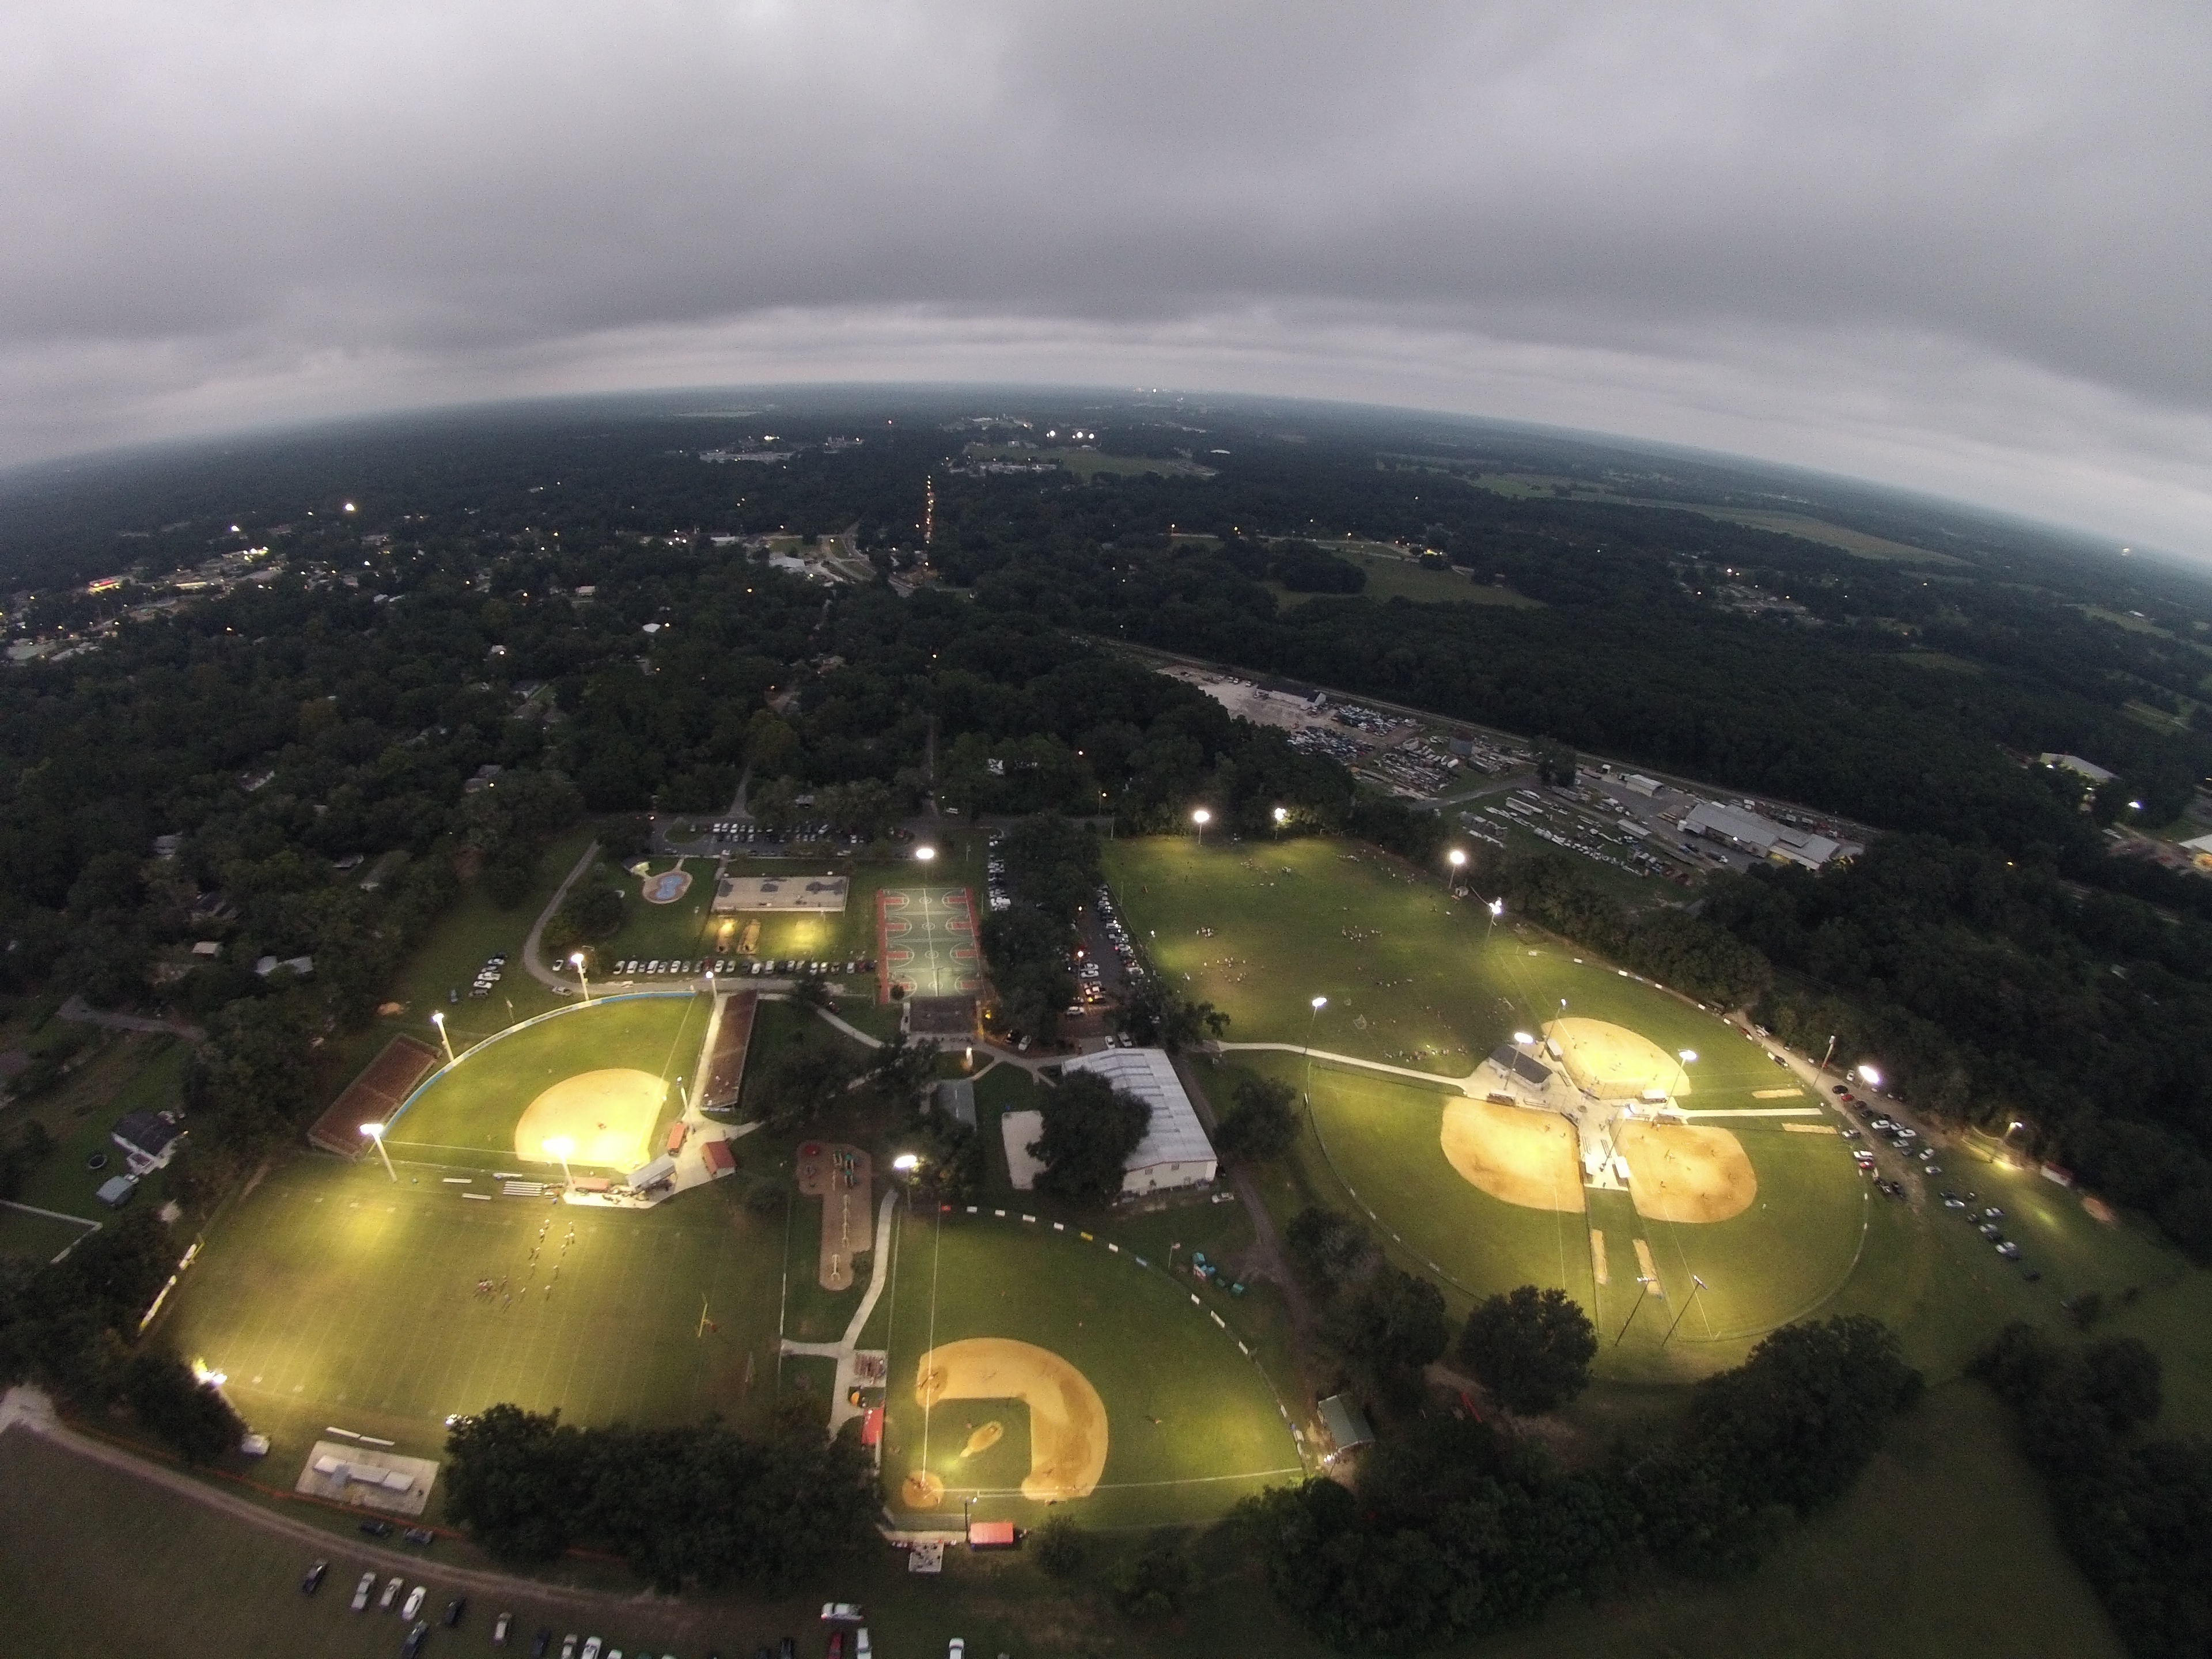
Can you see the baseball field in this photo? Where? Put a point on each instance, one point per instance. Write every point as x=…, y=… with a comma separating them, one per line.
x=606, y=1077
x=1031, y=1366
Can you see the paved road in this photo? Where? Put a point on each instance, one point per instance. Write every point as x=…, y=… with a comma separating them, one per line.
x=533, y=957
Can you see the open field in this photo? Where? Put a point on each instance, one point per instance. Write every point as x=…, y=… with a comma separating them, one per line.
x=35, y=1238
x=1944, y=1547
x=469, y=1113
x=119, y=1073
x=1191, y=1424
x=330, y=1295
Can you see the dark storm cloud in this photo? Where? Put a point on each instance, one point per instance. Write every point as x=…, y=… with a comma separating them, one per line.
x=1961, y=247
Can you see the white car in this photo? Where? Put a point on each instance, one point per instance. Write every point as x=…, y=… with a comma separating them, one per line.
x=841, y=1613
x=391, y=1589
x=414, y=1601
x=591, y=1647
x=361, y=1591
x=860, y=1648
x=957, y=1648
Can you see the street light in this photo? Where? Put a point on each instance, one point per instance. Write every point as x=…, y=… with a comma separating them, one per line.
x=1523, y=1039
x=1496, y=908
x=924, y=855
x=1319, y=1003
x=560, y=1146
x=1870, y=1077
x=438, y=1019
x=1201, y=818
x=577, y=963
x=1687, y=1056
x=1458, y=863
x=1282, y=817
x=906, y=1164
x=375, y=1132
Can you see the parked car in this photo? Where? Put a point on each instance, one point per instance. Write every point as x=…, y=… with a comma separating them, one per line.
x=500, y=1627
x=2009, y=1251
x=416, y=1637
x=841, y=1613
x=314, y=1581
x=377, y=1528
x=454, y=1609
x=414, y=1601
x=392, y=1588
x=420, y=1536
x=362, y=1591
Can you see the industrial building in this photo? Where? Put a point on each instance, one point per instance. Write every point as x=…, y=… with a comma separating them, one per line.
x=1175, y=1151
x=1762, y=837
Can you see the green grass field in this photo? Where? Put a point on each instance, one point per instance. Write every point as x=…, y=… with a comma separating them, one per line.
x=328, y=1294
x=466, y=1115
x=1193, y=1424
x=119, y=1073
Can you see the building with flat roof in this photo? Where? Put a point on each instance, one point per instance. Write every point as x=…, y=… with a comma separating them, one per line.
x=1175, y=1151
x=1761, y=837
x=2078, y=767
x=824, y=894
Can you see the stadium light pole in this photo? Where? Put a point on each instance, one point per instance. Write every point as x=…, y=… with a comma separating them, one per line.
x=1696, y=1285
x=375, y=1132
x=577, y=963
x=1201, y=818
x=924, y=855
x=1319, y=1003
x=1643, y=1290
x=1458, y=858
x=1496, y=908
x=1281, y=815
x=560, y=1146
x=438, y=1019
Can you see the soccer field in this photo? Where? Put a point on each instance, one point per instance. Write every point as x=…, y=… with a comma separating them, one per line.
x=467, y=1113
x=1191, y=1424
x=330, y=1295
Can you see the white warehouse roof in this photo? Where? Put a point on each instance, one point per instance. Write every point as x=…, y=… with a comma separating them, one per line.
x=1761, y=834
x=1175, y=1135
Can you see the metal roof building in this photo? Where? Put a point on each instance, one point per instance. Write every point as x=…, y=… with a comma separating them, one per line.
x=1175, y=1151
x=1751, y=832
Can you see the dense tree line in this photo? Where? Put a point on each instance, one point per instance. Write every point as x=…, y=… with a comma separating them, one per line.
x=2135, y=1514
x=686, y=1508
x=1452, y=1529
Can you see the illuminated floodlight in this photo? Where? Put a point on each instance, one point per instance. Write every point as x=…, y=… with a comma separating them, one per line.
x=1201, y=817
x=1496, y=908
x=923, y=854
x=1281, y=814
x=438, y=1019
x=375, y=1132
x=576, y=961
x=906, y=1164
x=1870, y=1077
x=560, y=1146
x=1688, y=1055
x=1320, y=1003
x=1458, y=858
x=1524, y=1037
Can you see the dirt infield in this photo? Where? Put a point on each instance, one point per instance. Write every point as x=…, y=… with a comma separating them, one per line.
x=608, y=1115
x=840, y=1176
x=373, y=1096
x=1613, y=1062
x=1687, y=1171
x=1067, y=1419
x=726, y=1066
x=1522, y=1155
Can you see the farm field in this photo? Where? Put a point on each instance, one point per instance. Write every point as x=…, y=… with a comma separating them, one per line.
x=330, y=1294
x=1189, y=1424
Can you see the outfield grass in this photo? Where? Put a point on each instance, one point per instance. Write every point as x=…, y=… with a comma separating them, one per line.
x=466, y=1113
x=1192, y=1422
x=330, y=1295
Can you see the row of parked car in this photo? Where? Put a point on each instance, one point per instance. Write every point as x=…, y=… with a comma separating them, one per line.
x=735, y=967
x=770, y=842
x=490, y=974
x=1905, y=1138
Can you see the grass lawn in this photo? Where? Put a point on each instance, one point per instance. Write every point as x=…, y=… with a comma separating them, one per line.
x=119, y=1074
x=330, y=1295
x=1944, y=1547
x=1193, y=1424
x=467, y=1113
x=35, y=1238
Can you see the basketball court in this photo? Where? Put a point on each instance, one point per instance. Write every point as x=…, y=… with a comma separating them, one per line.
x=926, y=941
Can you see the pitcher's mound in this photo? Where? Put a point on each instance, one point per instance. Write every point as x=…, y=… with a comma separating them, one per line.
x=1513, y=1152
x=608, y=1116
x=1686, y=1172
x=1067, y=1419
x=1614, y=1063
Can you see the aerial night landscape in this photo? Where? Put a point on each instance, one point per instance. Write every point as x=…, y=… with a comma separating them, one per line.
x=969, y=831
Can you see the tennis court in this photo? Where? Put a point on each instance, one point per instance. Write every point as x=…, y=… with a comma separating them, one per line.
x=926, y=941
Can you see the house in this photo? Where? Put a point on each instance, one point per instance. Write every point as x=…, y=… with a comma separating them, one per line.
x=301, y=967
x=149, y=1140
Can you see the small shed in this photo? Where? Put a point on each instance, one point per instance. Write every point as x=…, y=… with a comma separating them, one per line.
x=720, y=1160
x=991, y=1535
x=1346, y=1424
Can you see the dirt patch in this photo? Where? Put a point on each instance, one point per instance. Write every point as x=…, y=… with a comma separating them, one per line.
x=1811, y=1129
x=1067, y=1419
x=841, y=1177
x=1687, y=1171
x=2098, y=1209
x=1514, y=1152
x=1614, y=1063
x=608, y=1114
x=726, y=1069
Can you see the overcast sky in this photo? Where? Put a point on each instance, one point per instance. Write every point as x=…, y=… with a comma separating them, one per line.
x=1961, y=247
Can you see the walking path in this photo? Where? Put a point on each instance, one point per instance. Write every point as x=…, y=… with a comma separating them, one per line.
x=1464, y=1085
x=533, y=946
x=78, y=1011
x=841, y=1410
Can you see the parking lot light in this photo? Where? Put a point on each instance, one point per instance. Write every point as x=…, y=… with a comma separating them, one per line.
x=576, y=961
x=438, y=1019
x=1201, y=817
